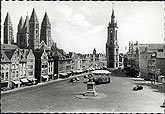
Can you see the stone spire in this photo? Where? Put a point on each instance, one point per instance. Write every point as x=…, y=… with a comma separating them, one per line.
x=8, y=30
x=26, y=25
x=20, y=24
x=94, y=51
x=46, y=19
x=33, y=16
x=7, y=19
x=113, y=14
x=45, y=33
x=34, y=38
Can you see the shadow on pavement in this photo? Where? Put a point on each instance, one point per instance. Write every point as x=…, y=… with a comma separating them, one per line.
x=119, y=73
x=152, y=86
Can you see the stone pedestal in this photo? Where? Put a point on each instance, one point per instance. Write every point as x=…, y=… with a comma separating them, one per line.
x=90, y=89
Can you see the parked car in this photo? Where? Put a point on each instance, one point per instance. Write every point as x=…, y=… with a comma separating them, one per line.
x=73, y=80
x=77, y=79
x=101, y=76
x=138, y=87
x=85, y=76
x=101, y=80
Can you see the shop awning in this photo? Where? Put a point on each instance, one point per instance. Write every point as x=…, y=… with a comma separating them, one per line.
x=16, y=82
x=24, y=80
x=4, y=81
x=64, y=74
x=32, y=79
x=79, y=71
x=69, y=72
x=45, y=76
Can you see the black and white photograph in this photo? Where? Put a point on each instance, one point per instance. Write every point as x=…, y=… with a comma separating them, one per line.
x=82, y=57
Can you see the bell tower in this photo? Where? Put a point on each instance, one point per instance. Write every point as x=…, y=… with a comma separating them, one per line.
x=112, y=47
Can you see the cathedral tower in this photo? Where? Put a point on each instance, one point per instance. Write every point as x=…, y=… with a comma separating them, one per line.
x=45, y=33
x=112, y=48
x=8, y=31
x=23, y=33
x=34, y=39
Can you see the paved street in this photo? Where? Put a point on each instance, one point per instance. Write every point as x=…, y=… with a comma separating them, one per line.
x=59, y=97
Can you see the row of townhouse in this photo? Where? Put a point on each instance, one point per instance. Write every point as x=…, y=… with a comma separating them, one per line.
x=17, y=66
x=131, y=60
x=21, y=67
x=152, y=61
x=148, y=58
x=76, y=62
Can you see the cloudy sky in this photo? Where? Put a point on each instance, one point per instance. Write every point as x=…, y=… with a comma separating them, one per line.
x=82, y=26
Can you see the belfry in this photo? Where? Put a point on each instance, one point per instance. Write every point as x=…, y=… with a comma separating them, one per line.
x=112, y=47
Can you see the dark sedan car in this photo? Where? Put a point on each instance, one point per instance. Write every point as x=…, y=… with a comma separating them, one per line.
x=101, y=80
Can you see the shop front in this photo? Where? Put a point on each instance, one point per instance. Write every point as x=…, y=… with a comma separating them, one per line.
x=16, y=83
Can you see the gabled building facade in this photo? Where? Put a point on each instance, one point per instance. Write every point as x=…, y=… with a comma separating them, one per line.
x=5, y=70
x=30, y=66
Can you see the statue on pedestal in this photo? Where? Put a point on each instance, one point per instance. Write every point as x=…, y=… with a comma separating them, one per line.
x=90, y=87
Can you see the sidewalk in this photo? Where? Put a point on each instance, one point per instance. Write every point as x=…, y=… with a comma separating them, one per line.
x=121, y=74
x=149, y=82
x=40, y=84
x=156, y=84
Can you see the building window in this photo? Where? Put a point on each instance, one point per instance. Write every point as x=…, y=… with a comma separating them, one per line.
x=44, y=66
x=13, y=66
x=30, y=73
x=30, y=60
x=2, y=76
x=21, y=73
x=6, y=78
x=160, y=50
x=30, y=66
x=111, y=36
x=24, y=73
x=37, y=25
x=16, y=73
x=2, y=68
x=17, y=66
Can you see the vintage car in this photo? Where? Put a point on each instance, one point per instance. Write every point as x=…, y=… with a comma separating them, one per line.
x=101, y=76
x=101, y=80
x=138, y=87
x=73, y=80
x=85, y=76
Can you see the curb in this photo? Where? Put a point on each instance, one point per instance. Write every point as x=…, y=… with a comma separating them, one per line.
x=156, y=84
x=40, y=84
